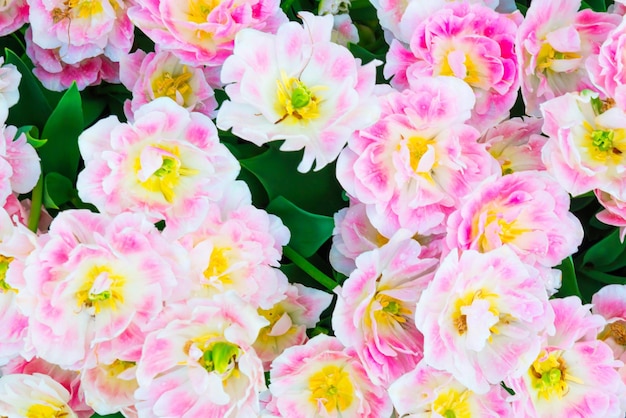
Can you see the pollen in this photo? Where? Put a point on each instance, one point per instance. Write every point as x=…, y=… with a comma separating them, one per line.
x=452, y=404
x=549, y=375
x=102, y=289
x=4, y=267
x=164, y=180
x=333, y=388
x=218, y=265
x=296, y=101
x=174, y=86
x=46, y=411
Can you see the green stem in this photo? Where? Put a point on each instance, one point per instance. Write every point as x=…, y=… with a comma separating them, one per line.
x=35, y=205
x=309, y=268
x=19, y=41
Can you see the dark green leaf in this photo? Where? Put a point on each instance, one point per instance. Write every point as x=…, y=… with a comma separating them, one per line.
x=58, y=190
x=62, y=129
x=579, y=202
x=118, y=415
x=315, y=192
x=93, y=107
x=569, y=285
x=605, y=252
x=596, y=5
x=308, y=230
x=603, y=277
x=33, y=107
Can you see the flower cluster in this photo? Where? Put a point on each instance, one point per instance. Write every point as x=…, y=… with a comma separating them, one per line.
x=155, y=287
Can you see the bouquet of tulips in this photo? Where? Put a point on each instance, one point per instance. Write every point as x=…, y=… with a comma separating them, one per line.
x=255, y=208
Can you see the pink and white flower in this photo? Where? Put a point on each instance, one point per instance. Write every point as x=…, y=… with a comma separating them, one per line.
x=614, y=212
x=81, y=29
x=93, y=282
x=236, y=247
x=607, y=69
x=470, y=42
x=36, y=395
x=203, y=32
x=400, y=18
x=516, y=143
x=13, y=15
x=289, y=318
x=299, y=87
x=413, y=166
x=22, y=159
x=57, y=75
x=483, y=317
x=168, y=165
x=109, y=387
x=323, y=378
x=353, y=235
x=10, y=79
x=527, y=211
x=16, y=243
x=574, y=374
x=376, y=305
x=198, y=361
x=587, y=145
x=70, y=380
x=610, y=303
x=553, y=43
x=426, y=391
x=158, y=74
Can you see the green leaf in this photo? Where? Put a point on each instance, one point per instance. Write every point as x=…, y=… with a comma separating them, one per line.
x=58, y=190
x=522, y=7
x=31, y=133
x=93, y=107
x=308, y=230
x=569, y=284
x=581, y=201
x=596, y=5
x=33, y=107
x=118, y=415
x=62, y=129
x=316, y=192
x=605, y=252
x=601, y=277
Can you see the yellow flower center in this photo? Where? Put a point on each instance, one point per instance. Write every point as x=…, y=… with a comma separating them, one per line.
x=393, y=310
x=217, y=355
x=548, y=58
x=4, y=267
x=173, y=85
x=46, y=411
x=272, y=315
x=605, y=146
x=417, y=147
x=218, y=264
x=472, y=74
x=220, y=357
x=452, y=404
x=506, y=231
x=102, y=289
x=83, y=9
x=459, y=319
x=119, y=366
x=199, y=10
x=295, y=101
x=333, y=388
x=549, y=375
x=166, y=178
